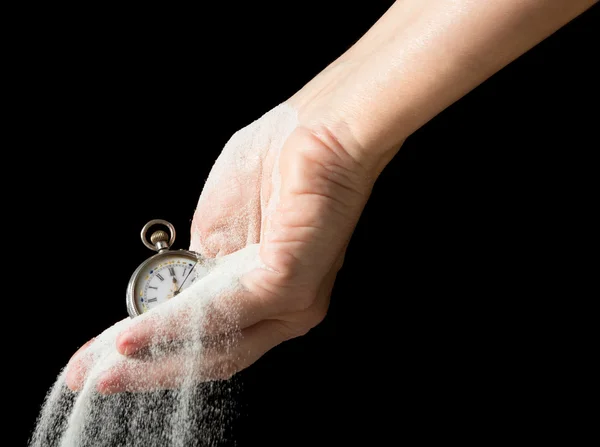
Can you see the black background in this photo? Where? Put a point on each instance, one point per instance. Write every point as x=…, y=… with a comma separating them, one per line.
x=437, y=326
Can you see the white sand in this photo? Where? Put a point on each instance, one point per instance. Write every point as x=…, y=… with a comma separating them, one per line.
x=190, y=414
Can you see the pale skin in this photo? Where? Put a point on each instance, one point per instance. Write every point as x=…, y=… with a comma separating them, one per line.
x=419, y=58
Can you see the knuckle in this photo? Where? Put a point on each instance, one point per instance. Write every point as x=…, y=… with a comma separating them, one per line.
x=301, y=330
x=287, y=330
x=311, y=318
x=216, y=238
x=302, y=325
x=317, y=316
x=304, y=301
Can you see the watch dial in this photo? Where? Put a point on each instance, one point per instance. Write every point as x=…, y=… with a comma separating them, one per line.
x=165, y=278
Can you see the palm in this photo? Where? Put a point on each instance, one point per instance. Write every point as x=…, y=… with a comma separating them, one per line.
x=303, y=224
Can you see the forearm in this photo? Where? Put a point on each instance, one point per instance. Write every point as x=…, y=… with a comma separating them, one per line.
x=419, y=58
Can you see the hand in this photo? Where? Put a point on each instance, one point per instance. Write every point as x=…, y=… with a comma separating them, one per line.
x=297, y=179
x=303, y=230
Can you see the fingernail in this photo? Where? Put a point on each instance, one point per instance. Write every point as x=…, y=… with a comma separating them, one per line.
x=126, y=336
x=125, y=343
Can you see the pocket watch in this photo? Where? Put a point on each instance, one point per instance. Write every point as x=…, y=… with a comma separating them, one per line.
x=164, y=275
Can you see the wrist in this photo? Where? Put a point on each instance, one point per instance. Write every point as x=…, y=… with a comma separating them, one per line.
x=331, y=107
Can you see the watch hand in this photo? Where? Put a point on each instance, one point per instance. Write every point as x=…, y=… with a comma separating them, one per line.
x=175, y=289
x=185, y=279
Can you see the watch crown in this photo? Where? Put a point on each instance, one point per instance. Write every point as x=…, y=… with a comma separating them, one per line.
x=159, y=236
x=161, y=240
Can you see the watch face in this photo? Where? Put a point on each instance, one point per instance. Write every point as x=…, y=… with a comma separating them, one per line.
x=163, y=277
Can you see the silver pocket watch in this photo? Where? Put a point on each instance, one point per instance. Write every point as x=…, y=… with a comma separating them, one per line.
x=164, y=275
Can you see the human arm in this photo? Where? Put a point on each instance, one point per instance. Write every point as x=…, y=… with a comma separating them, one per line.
x=418, y=59
x=351, y=119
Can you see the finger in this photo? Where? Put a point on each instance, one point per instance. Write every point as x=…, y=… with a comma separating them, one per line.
x=154, y=330
x=229, y=312
x=216, y=362
x=218, y=236
x=227, y=217
x=77, y=368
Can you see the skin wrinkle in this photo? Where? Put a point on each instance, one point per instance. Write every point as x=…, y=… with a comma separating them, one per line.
x=267, y=293
x=464, y=44
x=343, y=163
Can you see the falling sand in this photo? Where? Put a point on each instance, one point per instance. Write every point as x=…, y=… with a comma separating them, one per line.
x=193, y=406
